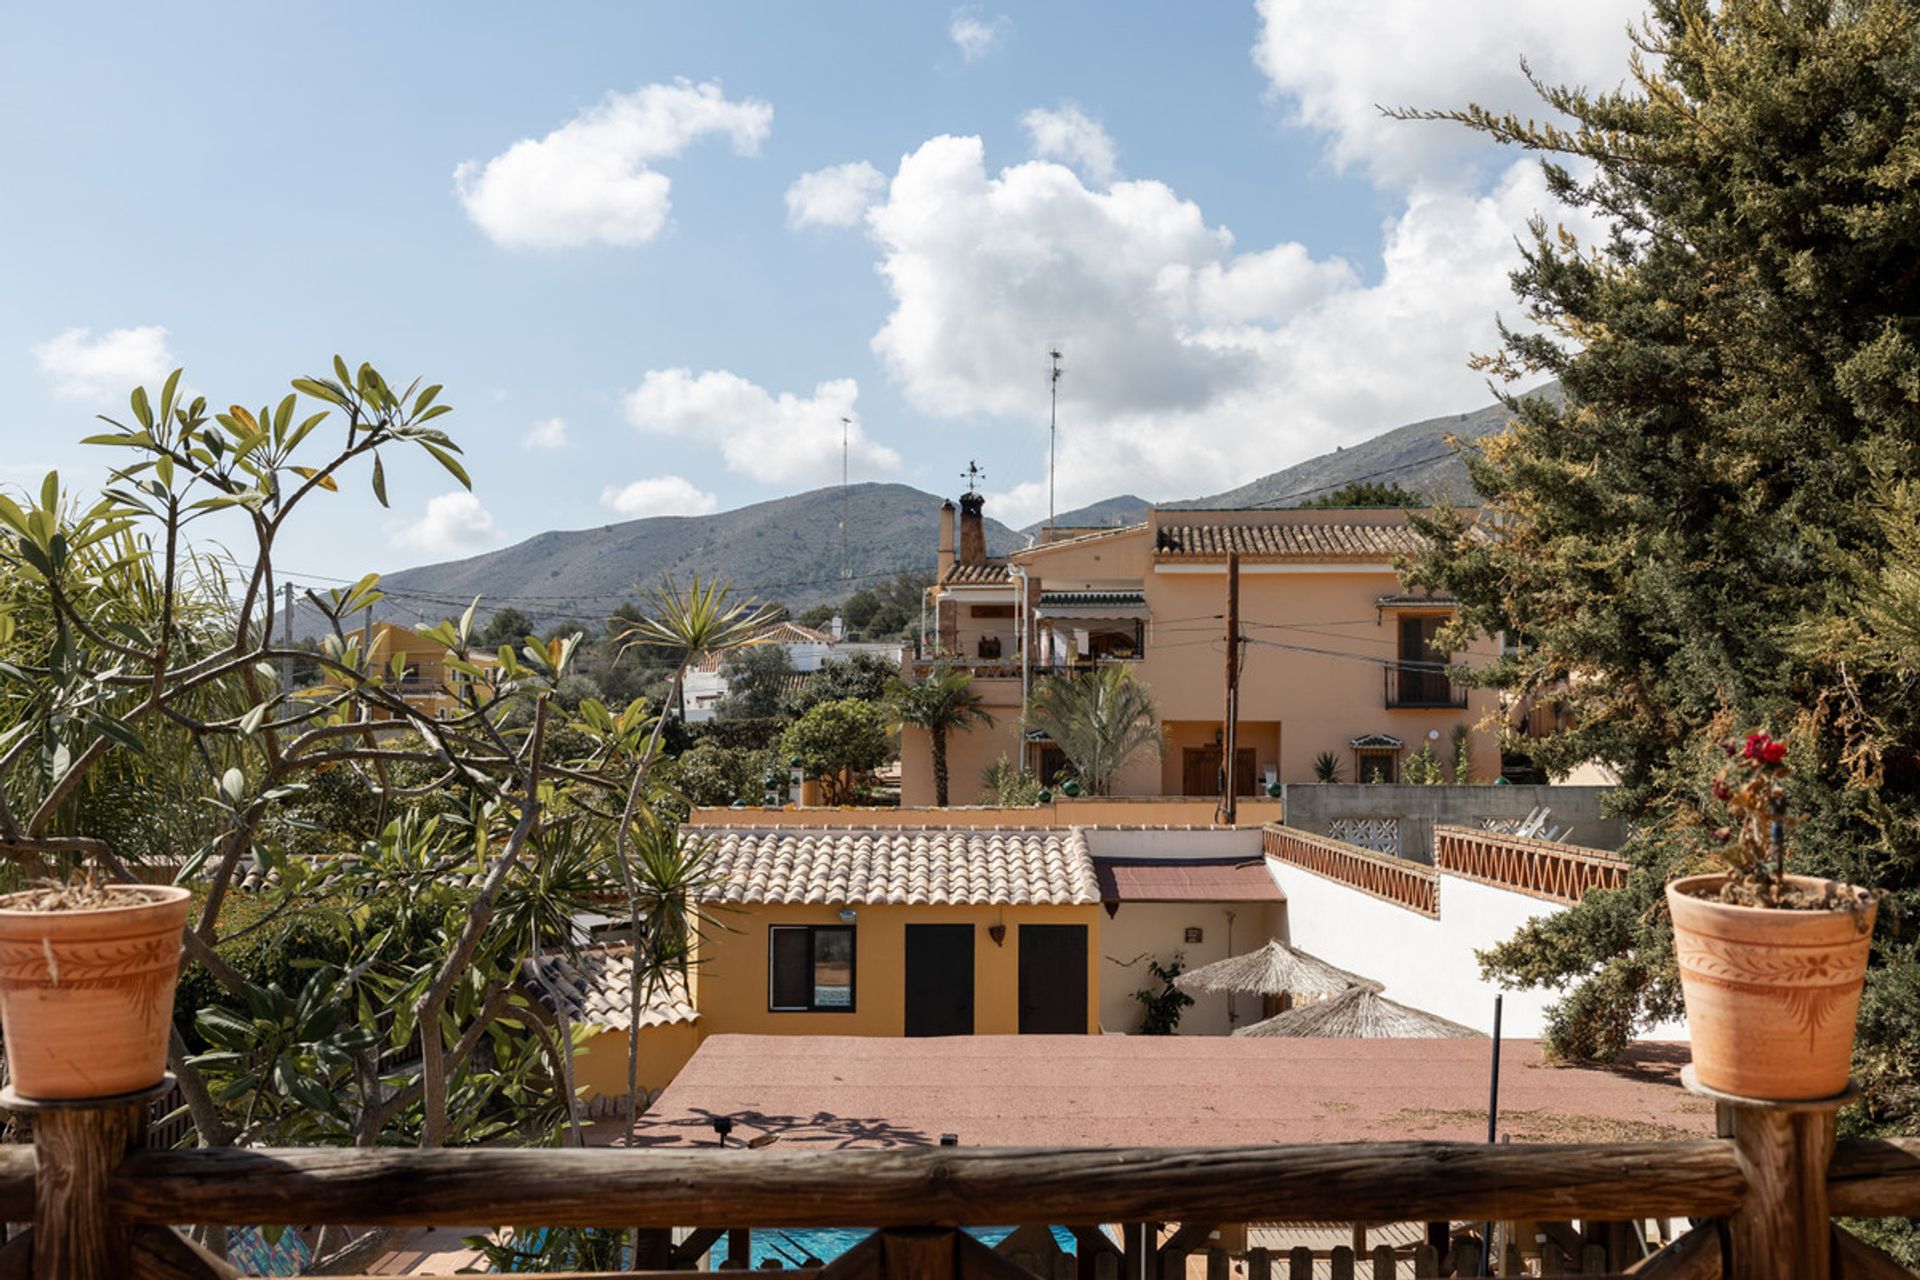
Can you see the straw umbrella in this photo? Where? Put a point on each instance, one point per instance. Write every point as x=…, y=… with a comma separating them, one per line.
x=1362, y=1013
x=1274, y=970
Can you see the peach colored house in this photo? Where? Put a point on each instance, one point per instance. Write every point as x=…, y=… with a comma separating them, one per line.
x=1337, y=656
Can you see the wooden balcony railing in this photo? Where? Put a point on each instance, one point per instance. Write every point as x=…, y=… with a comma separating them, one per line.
x=99, y=1210
x=1542, y=868
x=1413, y=885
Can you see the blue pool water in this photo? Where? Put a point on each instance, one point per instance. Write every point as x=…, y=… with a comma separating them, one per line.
x=790, y=1247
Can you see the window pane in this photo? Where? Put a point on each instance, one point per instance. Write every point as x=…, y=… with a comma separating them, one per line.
x=791, y=981
x=833, y=968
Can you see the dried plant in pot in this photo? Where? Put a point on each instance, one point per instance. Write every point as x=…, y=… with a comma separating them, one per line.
x=87, y=973
x=1771, y=964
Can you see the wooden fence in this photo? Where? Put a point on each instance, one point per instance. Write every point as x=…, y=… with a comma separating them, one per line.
x=1413, y=885
x=1542, y=868
x=103, y=1207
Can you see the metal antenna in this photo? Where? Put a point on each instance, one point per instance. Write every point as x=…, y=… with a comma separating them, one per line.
x=1053, y=430
x=973, y=475
x=846, y=471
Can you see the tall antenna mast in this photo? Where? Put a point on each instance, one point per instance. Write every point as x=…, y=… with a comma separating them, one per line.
x=1053, y=429
x=846, y=471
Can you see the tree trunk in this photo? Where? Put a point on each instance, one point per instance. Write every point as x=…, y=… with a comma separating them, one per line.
x=939, y=736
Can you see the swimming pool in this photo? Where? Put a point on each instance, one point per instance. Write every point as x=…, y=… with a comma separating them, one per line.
x=791, y=1247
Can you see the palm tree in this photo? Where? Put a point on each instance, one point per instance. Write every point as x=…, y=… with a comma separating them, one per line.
x=1100, y=719
x=693, y=625
x=940, y=704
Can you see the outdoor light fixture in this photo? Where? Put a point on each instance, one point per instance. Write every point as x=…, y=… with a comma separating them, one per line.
x=846, y=915
x=722, y=1126
x=998, y=932
x=1194, y=933
x=949, y=1139
x=1071, y=787
x=1433, y=735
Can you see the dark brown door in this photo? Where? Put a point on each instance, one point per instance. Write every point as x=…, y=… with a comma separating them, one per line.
x=1053, y=980
x=939, y=980
x=1200, y=771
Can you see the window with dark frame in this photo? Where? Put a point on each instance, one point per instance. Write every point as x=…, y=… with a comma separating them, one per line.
x=810, y=968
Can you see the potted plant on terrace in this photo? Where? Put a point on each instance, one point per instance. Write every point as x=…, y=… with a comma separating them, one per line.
x=87, y=972
x=1771, y=964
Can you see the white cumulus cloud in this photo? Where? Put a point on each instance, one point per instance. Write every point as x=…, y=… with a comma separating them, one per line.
x=590, y=180
x=659, y=496
x=1070, y=136
x=975, y=35
x=82, y=366
x=453, y=523
x=777, y=439
x=1193, y=365
x=837, y=196
x=1336, y=65
x=548, y=434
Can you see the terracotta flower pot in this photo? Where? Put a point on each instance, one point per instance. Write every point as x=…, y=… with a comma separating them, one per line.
x=1771, y=994
x=86, y=997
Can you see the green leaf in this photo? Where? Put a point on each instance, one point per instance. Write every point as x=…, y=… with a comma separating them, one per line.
x=379, y=481
x=233, y=784
x=452, y=464
x=167, y=393
x=250, y=722
x=141, y=409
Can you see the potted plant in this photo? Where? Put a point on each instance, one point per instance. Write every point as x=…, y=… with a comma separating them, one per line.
x=1771, y=964
x=87, y=972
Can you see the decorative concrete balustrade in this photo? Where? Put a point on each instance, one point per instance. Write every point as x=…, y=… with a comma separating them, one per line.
x=1413, y=885
x=1542, y=868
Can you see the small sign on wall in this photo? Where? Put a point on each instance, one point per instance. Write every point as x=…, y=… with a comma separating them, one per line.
x=1195, y=933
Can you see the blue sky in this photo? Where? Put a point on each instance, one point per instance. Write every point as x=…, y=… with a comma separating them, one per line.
x=1243, y=263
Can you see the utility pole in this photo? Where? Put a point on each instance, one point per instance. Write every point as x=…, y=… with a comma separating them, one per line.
x=1230, y=737
x=846, y=472
x=286, y=662
x=1053, y=431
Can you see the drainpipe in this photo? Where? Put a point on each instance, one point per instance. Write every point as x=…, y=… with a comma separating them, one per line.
x=1019, y=574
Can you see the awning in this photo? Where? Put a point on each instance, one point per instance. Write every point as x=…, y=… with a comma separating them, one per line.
x=1185, y=880
x=1384, y=741
x=1091, y=604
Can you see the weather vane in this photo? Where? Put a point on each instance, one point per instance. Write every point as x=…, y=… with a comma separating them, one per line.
x=973, y=475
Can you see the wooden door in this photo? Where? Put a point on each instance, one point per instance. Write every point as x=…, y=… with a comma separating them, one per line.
x=1053, y=979
x=1200, y=771
x=939, y=980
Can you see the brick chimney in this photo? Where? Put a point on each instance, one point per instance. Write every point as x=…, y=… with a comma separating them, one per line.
x=946, y=538
x=973, y=530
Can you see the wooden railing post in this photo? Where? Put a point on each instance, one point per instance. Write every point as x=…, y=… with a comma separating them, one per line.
x=1783, y=1229
x=76, y=1148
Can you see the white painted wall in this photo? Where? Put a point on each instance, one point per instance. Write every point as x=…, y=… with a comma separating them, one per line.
x=1426, y=963
x=1158, y=929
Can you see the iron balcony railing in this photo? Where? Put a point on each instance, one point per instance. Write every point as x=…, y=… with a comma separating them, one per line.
x=1422, y=684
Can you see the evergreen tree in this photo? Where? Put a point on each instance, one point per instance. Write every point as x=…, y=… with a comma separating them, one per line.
x=1682, y=545
x=1368, y=493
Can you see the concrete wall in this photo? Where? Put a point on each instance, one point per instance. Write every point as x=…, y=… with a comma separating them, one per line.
x=600, y=1065
x=1140, y=811
x=1426, y=963
x=1139, y=931
x=1313, y=806
x=730, y=980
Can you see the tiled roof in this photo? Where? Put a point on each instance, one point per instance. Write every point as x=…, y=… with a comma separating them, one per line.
x=981, y=867
x=1066, y=599
x=1277, y=541
x=1186, y=880
x=596, y=990
x=980, y=573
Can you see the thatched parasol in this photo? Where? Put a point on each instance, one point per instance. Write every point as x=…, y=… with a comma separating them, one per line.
x=1274, y=970
x=1360, y=1013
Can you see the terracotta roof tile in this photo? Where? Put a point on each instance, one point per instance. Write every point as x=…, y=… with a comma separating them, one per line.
x=597, y=987
x=983, y=573
x=986, y=866
x=1278, y=541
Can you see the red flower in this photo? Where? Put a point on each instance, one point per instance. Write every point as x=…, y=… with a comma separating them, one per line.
x=1720, y=790
x=1773, y=752
x=1756, y=743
